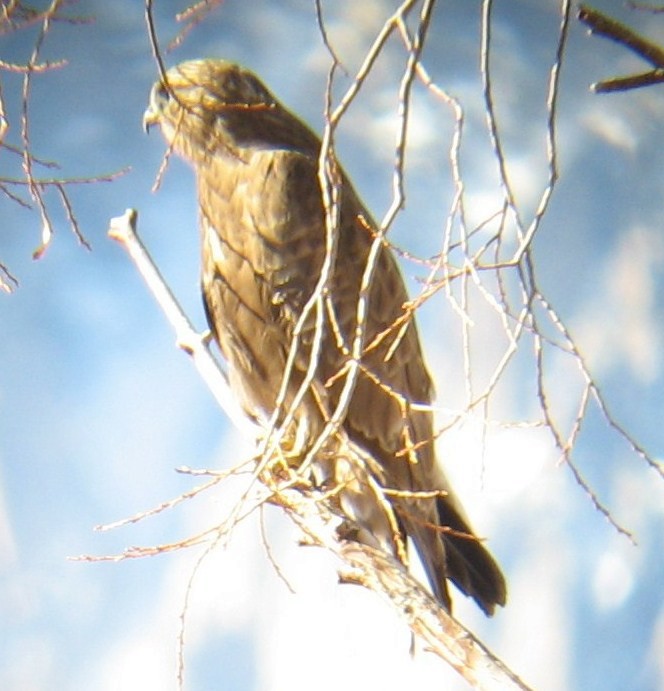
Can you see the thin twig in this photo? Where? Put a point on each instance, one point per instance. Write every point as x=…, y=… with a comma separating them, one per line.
x=384, y=575
x=326, y=40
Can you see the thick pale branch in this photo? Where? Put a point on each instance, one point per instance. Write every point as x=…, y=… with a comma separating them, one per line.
x=313, y=513
x=383, y=574
x=123, y=229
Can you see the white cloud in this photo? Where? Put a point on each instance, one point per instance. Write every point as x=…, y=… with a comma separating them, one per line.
x=613, y=580
x=620, y=325
x=611, y=126
x=7, y=540
x=536, y=624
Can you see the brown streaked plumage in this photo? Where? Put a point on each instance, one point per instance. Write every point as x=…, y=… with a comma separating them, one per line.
x=263, y=246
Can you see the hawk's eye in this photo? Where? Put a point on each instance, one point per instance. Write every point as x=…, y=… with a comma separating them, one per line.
x=161, y=93
x=158, y=103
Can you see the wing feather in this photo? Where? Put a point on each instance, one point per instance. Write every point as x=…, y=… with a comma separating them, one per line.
x=263, y=246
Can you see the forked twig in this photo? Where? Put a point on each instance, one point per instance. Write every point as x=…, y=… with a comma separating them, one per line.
x=605, y=26
x=313, y=513
x=381, y=573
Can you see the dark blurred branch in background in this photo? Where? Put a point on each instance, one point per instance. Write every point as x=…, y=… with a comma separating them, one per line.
x=614, y=30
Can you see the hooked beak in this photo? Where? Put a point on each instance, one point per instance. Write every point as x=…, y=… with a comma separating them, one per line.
x=150, y=118
x=159, y=97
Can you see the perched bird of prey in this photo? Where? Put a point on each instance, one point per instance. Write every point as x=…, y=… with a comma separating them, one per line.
x=264, y=240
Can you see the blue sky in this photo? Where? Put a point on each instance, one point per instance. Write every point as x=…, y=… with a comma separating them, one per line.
x=98, y=406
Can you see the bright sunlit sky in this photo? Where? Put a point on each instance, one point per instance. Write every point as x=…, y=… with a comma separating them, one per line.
x=98, y=406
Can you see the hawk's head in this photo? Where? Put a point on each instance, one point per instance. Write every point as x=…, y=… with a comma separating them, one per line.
x=208, y=107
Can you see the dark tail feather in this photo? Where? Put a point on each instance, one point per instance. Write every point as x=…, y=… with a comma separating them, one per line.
x=469, y=565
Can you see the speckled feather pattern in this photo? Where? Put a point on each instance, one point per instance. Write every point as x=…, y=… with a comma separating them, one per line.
x=263, y=245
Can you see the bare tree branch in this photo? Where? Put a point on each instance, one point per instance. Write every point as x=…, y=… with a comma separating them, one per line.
x=19, y=16
x=602, y=25
x=312, y=511
x=493, y=260
x=123, y=229
x=376, y=570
